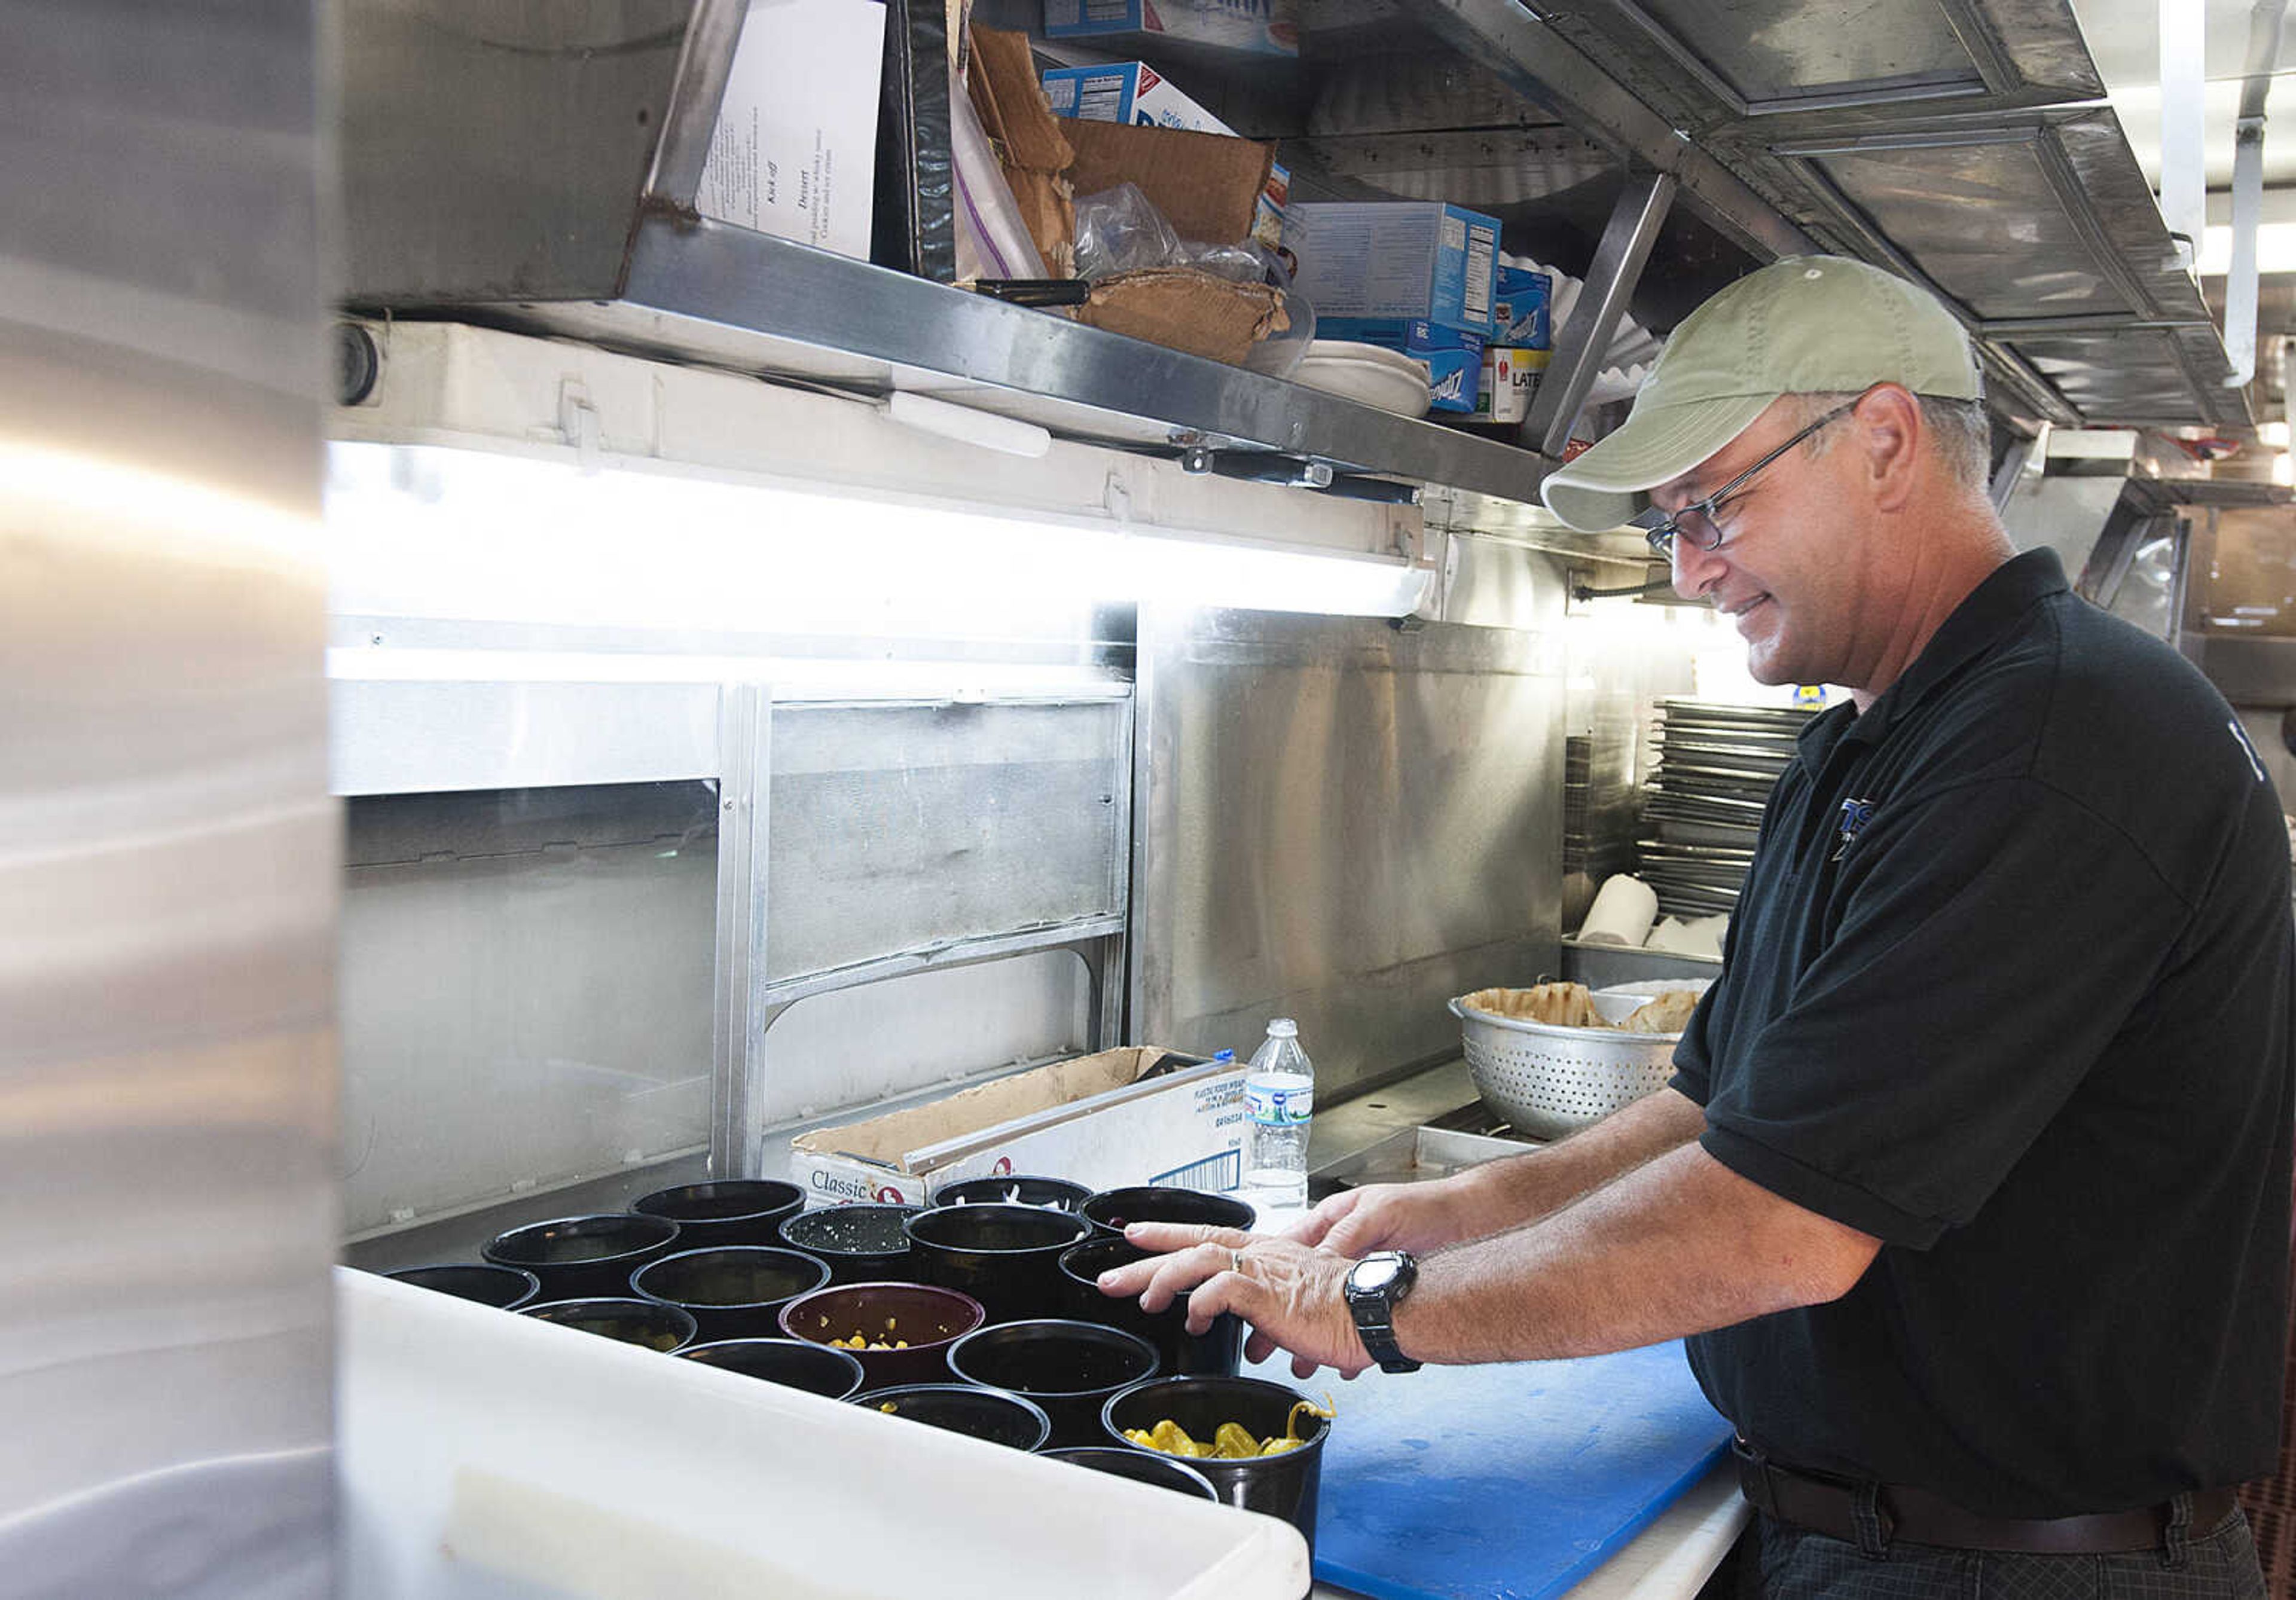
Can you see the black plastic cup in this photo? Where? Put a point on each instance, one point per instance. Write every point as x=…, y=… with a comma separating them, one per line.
x=743, y=1211
x=988, y=1414
x=645, y=1322
x=1055, y=1192
x=861, y=1244
x=735, y=1292
x=1006, y=1257
x=1283, y=1485
x=1069, y=1368
x=505, y=1288
x=1215, y=1353
x=1142, y=1467
x=924, y=1318
x=584, y=1258
x=793, y=1364
x=1110, y=1209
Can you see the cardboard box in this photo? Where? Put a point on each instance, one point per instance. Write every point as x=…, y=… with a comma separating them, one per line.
x=794, y=151
x=1519, y=314
x=1183, y=310
x=1135, y=93
x=1136, y=1115
x=1510, y=378
x=1033, y=151
x=1127, y=92
x=1207, y=185
x=1454, y=360
x=1403, y=260
x=1251, y=27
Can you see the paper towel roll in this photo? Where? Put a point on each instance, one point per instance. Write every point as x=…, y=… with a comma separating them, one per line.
x=1623, y=911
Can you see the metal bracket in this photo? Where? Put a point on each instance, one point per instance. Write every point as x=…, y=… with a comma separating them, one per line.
x=577, y=424
x=1583, y=341
x=745, y=713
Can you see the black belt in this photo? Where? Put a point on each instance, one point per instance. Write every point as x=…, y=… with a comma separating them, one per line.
x=1836, y=1506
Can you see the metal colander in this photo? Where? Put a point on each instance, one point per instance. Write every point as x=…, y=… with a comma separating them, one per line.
x=1548, y=1080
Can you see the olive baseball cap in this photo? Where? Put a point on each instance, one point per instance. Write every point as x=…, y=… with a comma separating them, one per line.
x=1808, y=324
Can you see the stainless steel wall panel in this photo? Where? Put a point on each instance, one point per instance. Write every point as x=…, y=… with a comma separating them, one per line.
x=499, y=150
x=167, y=851
x=1343, y=823
x=1922, y=199
x=525, y=992
x=393, y=737
x=2069, y=235
x=859, y=1047
x=1784, y=51
x=901, y=828
x=2130, y=379
x=1554, y=63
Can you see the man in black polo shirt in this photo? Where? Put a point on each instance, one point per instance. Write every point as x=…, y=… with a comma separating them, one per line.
x=1972, y=1189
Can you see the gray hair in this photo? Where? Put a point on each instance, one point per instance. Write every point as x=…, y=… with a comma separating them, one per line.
x=1961, y=430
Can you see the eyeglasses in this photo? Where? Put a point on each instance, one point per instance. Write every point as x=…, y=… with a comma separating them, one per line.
x=1695, y=521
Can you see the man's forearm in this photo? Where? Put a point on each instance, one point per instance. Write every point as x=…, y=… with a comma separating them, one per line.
x=1678, y=1245
x=1503, y=1194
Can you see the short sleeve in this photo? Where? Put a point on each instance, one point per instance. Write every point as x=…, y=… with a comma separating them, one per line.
x=1989, y=940
x=1694, y=1052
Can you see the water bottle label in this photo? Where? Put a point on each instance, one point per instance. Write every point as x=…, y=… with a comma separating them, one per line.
x=1276, y=1106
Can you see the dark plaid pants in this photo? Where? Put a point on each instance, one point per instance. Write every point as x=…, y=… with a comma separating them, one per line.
x=2217, y=1564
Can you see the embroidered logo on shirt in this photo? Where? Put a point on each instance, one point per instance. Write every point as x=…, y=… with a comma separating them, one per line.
x=1855, y=814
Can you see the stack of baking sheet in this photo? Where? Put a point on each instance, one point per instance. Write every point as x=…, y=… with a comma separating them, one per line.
x=1703, y=804
x=1600, y=815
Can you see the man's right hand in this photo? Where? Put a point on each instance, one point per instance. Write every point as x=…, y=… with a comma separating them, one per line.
x=1412, y=1216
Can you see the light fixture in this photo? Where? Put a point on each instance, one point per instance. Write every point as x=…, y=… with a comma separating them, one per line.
x=2276, y=248
x=439, y=532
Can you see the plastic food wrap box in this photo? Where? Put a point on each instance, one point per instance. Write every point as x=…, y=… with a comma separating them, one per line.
x=1139, y=1115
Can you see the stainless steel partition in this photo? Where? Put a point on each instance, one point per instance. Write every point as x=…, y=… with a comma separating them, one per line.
x=1343, y=822
x=167, y=851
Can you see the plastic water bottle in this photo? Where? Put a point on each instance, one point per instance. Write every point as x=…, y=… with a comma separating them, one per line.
x=1279, y=1093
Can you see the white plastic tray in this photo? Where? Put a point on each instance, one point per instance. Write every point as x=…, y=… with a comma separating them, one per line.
x=489, y=1457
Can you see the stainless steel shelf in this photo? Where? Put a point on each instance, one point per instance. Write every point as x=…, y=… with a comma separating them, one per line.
x=708, y=292
x=1956, y=125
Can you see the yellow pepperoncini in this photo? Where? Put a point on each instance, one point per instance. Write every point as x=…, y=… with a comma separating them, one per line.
x=1231, y=1441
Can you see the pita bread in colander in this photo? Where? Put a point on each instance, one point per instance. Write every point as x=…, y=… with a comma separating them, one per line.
x=1572, y=1005
x=1557, y=1005
x=1667, y=1012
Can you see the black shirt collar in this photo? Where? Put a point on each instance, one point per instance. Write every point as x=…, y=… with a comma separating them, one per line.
x=1976, y=625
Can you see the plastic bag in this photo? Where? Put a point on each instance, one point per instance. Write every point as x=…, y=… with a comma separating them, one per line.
x=1245, y=263
x=1120, y=230
x=992, y=240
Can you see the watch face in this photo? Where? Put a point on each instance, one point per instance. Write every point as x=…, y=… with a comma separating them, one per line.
x=1374, y=1273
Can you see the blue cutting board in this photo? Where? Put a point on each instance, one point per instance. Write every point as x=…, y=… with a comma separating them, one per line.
x=1504, y=1482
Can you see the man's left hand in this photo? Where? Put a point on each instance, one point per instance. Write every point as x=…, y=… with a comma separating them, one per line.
x=1294, y=1296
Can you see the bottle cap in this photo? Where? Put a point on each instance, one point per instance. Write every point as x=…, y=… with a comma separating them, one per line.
x=1282, y=1028
x=1223, y=1055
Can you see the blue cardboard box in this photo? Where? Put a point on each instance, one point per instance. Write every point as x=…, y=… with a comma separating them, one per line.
x=1399, y=260
x=1522, y=299
x=1454, y=360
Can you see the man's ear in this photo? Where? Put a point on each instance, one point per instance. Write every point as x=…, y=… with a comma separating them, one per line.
x=1890, y=429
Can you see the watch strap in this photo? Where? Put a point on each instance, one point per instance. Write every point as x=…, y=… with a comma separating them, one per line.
x=1374, y=1311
